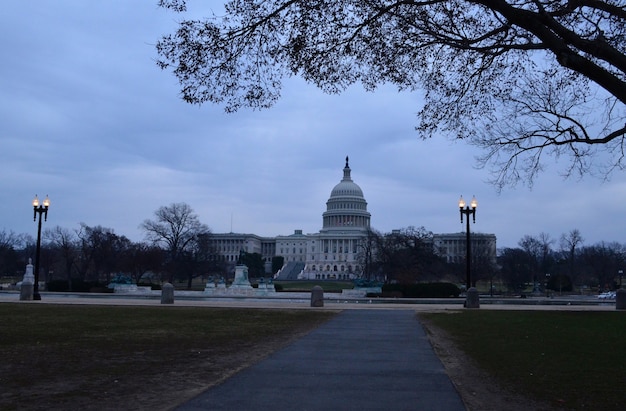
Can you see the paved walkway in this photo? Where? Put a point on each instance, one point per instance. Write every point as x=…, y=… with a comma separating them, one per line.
x=372, y=359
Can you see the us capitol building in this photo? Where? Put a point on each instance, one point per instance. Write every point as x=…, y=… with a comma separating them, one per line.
x=334, y=252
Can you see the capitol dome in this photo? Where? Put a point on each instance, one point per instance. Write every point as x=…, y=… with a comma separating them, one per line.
x=346, y=208
x=347, y=188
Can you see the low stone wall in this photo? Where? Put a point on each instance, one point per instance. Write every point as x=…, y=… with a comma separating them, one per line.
x=130, y=289
x=361, y=292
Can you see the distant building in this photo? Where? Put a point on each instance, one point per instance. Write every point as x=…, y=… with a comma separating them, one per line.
x=333, y=252
x=452, y=247
x=230, y=245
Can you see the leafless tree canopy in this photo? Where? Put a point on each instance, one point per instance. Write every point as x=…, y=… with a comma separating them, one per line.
x=526, y=81
x=176, y=227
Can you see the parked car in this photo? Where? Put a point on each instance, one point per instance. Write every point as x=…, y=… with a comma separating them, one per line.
x=609, y=295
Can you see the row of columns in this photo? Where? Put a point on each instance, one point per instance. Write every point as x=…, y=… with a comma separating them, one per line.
x=346, y=221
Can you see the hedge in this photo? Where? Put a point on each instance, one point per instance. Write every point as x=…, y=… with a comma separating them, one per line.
x=422, y=290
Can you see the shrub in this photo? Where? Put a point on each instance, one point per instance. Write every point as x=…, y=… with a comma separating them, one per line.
x=57, y=285
x=560, y=282
x=422, y=290
x=77, y=286
x=101, y=289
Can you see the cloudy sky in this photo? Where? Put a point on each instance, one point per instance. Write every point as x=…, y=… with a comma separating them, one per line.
x=87, y=117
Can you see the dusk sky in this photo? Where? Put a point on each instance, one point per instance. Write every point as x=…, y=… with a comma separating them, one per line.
x=88, y=118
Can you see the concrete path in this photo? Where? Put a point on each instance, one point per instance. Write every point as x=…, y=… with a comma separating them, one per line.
x=360, y=360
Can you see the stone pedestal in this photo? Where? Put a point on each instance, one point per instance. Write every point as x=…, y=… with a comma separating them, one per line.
x=241, y=278
x=167, y=294
x=473, y=299
x=124, y=288
x=317, y=296
x=620, y=299
x=28, y=283
x=26, y=291
x=209, y=288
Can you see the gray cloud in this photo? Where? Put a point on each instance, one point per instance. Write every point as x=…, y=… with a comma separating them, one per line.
x=88, y=118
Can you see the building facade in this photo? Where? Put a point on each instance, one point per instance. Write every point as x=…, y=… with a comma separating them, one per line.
x=230, y=245
x=453, y=247
x=335, y=251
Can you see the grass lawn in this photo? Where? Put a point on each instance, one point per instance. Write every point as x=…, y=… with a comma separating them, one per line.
x=115, y=357
x=574, y=360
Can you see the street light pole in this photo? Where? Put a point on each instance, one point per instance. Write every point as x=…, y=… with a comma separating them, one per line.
x=467, y=211
x=547, y=282
x=39, y=209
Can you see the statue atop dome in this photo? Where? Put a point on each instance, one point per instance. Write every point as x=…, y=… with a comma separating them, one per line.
x=347, y=166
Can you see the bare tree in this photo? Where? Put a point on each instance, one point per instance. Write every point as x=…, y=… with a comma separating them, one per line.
x=176, y=228
x=547, y=258
x=515, y=268
x=525, y=81
x=10, y=242
x=484, y=264
x=533, y=248
x=65, y=244
x=569, y=243
x=366, y=253
x=140, y=258
x=104, y=249
x=406, y=255
x=602, y=262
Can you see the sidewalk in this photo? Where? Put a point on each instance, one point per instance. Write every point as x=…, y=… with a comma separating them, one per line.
x=360, y=360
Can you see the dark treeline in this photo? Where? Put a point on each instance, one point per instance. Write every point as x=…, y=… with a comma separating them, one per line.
x=178, y=247
x=539, y=262
x=566, y=264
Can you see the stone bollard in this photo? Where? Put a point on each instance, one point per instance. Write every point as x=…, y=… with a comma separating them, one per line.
x=473, y=299
x=26, y=291
x=317, y=296
x=620, y=299
x=167, y=294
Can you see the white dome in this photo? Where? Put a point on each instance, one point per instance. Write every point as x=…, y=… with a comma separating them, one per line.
x=346, y=188
x=346, y=208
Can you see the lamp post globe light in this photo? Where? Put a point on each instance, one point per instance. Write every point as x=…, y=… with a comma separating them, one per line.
x=472, y=300
x=39, y=209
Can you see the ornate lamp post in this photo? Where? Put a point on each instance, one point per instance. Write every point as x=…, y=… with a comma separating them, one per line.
x=39, y=209
x=547, y=282
x=468, y=210
x=621, y=274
